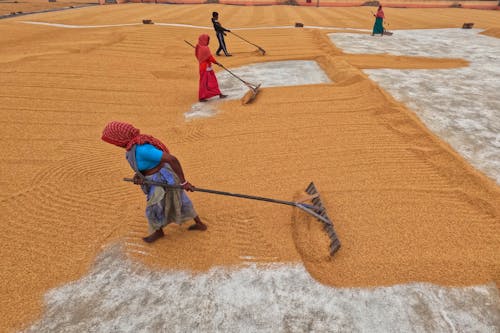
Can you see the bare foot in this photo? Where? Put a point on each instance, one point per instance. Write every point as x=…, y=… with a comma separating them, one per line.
x=198, y=226
x=154, y=236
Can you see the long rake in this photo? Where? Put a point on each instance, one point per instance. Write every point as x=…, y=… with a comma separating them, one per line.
x=316, y=209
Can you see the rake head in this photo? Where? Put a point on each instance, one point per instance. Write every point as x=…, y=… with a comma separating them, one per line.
x=250, y=94
x=327, y=223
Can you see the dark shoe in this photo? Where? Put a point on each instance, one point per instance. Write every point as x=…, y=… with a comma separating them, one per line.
x=229, y=55
x=217, y=54
x=198, y=226
x=203, y=100
x=222, y=96
x=154, y=236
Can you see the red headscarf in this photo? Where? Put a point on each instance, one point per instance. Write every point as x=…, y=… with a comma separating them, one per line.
x=202, y=52
x=125, y=135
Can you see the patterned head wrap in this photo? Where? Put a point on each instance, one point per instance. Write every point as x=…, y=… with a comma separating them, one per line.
x=125, y=135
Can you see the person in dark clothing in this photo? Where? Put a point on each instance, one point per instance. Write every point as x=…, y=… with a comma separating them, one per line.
x=220, y=31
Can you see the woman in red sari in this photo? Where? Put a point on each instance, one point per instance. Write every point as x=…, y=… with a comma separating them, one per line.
x=209, y=87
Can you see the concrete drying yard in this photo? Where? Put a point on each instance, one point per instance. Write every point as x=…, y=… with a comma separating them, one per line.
x=400, y=134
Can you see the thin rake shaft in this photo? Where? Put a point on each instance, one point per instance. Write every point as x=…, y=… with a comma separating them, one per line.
x=249, y=85
x=238, y=195
x=249, y=42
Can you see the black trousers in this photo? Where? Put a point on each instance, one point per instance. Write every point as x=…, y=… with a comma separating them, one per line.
x=222, y=43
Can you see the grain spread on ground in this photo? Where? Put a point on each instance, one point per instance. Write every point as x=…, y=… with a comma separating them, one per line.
x=405, y=205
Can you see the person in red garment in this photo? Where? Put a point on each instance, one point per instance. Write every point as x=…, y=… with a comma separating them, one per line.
x=209, y=87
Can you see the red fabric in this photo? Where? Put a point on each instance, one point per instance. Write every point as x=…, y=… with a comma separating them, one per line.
x=380, y=13
x=125, y=135
x=202, y=52
x=209, y=87
x=207, y=63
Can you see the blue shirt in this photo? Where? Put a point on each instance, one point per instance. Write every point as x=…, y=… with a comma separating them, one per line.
x=147, y=156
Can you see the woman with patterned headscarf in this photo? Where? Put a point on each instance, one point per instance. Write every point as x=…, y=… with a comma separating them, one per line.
x=208, y=87
x=151, y=160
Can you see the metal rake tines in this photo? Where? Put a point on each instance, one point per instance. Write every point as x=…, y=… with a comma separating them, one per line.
x=318, y=205
x=321, y=210
x=335, y=242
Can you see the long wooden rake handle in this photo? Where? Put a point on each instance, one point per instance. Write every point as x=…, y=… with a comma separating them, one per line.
x=199, y=189
x=249, y=42
x=190, y=44
x=249, y=85
x=310, y=209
